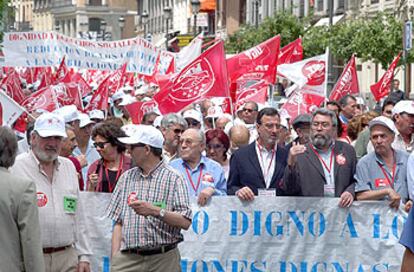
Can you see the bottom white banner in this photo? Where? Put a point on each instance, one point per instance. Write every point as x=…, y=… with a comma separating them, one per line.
x=286, y=234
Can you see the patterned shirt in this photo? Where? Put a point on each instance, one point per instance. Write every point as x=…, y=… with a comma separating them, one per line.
x=163, y=187
x=59, y=221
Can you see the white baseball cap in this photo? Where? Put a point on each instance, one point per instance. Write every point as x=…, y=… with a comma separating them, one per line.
x=142, y=134
x=69, y=113
x=406, y=106
x=383, y=121
x=194, y=114
x=84, y=120
x=50, y=124
x=96, y=114
x=118, y=95
x=157, y=121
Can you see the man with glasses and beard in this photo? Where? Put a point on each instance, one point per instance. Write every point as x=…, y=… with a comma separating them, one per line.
x=65, y=241
x=323, y=167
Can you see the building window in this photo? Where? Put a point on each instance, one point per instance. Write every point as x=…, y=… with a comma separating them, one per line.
x=95, y=24
x=95, y=2
x=320, y=5
x=374, y=1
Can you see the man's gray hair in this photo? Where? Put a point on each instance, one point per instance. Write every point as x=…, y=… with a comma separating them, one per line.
x=201, y=135
x=326, y=112
x=173, y=119
x=8, y=147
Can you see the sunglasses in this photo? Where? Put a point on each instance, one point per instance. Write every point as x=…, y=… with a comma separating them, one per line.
x=248, y=110
x=192, y=122
x=178, y=131
x=99, y=144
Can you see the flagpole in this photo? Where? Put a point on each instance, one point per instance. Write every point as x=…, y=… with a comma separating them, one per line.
x=326, y=74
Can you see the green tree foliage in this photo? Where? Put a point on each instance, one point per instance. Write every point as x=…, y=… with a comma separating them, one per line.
x=378, y=38
x=282, y=23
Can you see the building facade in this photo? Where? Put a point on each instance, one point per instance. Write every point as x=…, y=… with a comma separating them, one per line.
x=88, y=19
x=23, y=14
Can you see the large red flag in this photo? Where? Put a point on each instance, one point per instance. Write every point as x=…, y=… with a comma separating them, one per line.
x=44, y=99
x=137, y=110
x=206, y=76
x=46, y=77
x=68, y=94
x=12, y=86
x=256, y=92
x=347, y=82
x=382, y=87
x=99, y=100
x=301, y=102
x=291, y=52
x=259, y=61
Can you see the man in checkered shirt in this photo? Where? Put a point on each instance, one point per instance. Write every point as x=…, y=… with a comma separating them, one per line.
x=150, y=206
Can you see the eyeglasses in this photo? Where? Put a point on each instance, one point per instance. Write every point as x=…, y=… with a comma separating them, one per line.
x=99, y=144
x=249, y=110
x=214, y=146
x=324, y=125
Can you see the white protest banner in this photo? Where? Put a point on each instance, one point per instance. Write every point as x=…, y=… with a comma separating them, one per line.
x=40, y=49
x=286, y=234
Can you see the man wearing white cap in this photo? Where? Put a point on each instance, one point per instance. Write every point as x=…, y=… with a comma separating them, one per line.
x=383, y=174
x=150, y=206
x=117, y=99
x=403, y=117
x=194, y=118
x=65, y=246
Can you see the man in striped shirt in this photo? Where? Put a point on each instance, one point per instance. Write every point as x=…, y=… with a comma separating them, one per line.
x=150, y=206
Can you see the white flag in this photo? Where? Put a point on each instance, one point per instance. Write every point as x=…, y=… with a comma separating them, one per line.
x=188, y=53
x=9, y=110
x=308, y=74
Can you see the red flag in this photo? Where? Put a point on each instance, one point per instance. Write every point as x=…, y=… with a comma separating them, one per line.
x=99, y=100
x=206, y=76
x=382, y=87
x=68, y=94
x=260, y=61
x=292, y=52
x=117, y=79
x=137, y=110
x=43, y=99
x=62, y=72
x=12, y=86
x=46, y=78
x=29, y=75
x=300, y=102
x=77, y=78
x=256, y=92
x=347, y=82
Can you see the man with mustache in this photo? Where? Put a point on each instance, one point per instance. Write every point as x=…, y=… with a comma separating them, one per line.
x=323, y=167
x=383, y=174
x=65, y=242
x=257, y=169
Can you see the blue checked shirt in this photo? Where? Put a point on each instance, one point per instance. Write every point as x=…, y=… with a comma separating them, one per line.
x=163, y=187
x=209, y=172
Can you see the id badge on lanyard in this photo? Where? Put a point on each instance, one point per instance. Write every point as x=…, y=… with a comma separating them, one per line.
x=267, y=192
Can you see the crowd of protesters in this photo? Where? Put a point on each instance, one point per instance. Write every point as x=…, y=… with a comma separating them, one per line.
x=339, y=150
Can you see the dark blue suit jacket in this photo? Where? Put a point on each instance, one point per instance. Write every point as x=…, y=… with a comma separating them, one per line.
x=245, y=170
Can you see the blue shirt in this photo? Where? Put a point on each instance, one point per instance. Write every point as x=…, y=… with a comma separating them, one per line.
x=91, y=156
x=369, y=175
x=209, y=172
x=407, y=236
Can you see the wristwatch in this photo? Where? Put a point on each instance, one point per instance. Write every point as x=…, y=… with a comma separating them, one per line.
x=162, y=213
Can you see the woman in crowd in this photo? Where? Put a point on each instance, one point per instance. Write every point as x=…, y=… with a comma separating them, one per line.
x=104, y=173
x=217, y=145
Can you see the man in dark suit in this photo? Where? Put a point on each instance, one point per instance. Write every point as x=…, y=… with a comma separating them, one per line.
x=258, y=168
x=322, y=167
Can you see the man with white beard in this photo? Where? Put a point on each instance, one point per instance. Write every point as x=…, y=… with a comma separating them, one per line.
x=323, y=167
